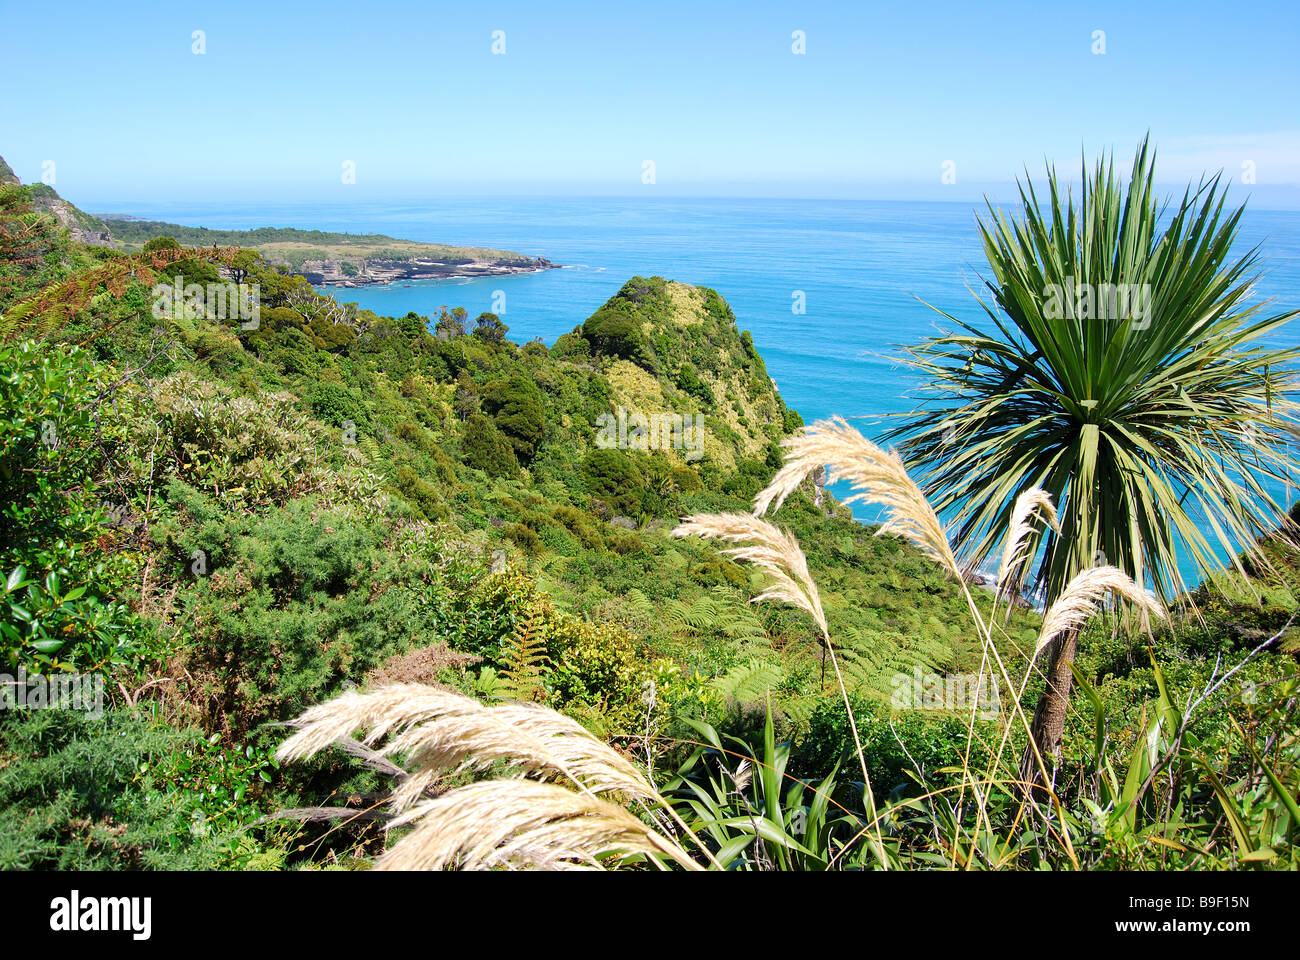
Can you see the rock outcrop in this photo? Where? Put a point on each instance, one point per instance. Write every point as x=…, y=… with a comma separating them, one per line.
x=81, y=226
x=83, y=229
x=357, y=273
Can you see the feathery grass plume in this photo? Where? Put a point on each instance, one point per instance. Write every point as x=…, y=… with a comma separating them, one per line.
x=517, y=824
x=740, y=780
x=509, y=822
x=1084, y=594
x=392, y=707
x=529, y=736
x=876, y=476
x=441, y=731
x=773, y=551
x=1031, y=500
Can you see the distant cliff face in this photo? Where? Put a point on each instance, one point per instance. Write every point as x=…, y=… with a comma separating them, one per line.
x=7, y=174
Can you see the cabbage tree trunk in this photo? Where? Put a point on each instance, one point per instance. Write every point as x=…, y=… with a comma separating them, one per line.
x=1049, y=717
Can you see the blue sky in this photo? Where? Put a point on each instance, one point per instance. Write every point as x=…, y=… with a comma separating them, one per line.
x=412, y=94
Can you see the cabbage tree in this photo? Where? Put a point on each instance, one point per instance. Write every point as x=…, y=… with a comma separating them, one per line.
x=1125, y=366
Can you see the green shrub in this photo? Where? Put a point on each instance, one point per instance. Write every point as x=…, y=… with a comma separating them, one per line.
x=615, y=329
x=289, y=605
x=519, y=411
x=571, y=346
x=335, y=404
x=612, y=477
x=160, y=243
x=893, y=741
x=487, y=448
x=594, y=664
x=489, y=328
x=688, y=379
x=524, y=538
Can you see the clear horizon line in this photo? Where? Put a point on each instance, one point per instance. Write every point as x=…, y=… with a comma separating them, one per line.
x=1254, y=197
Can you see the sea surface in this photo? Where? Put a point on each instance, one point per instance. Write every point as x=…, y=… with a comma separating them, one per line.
x=870, y=274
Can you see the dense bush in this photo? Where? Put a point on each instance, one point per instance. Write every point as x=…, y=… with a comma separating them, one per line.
x=335, y=404
x=615, y=331
x=894, y=742
x=489, y=328
x=160, y=243
x=287, y=605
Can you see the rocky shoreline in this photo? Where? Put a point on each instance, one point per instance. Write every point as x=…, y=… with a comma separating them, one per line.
x=347, y=272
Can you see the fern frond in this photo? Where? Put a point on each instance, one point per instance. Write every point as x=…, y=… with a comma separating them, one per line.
x=748, y=682
x=524, y=662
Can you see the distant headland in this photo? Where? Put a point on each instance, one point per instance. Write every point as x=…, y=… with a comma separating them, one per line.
x=324, y=258
x=335, y=259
